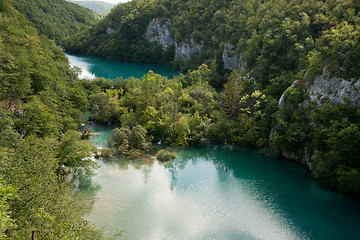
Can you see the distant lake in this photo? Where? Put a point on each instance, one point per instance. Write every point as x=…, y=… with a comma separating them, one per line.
x=92, y=67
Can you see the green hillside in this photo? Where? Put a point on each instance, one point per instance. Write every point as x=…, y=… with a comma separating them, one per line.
x=41, y=100
x=273, y=38
x=296, y=91
x=56, y=19
x=100, y=7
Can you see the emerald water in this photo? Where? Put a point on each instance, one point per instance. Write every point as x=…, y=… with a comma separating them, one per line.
x=217, y=192
x=92, y=67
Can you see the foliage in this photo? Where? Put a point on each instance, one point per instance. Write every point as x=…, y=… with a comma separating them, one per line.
x=7, y=193
x=42, y=203
x=273, y=38
x=165, y=155
x=338, y=49
x=75, y=154
x=328, y=136
x=56, y=19
x=124, y=139
x=337, y=145
x=278, y=42
x=181, y=111
x=231, y=94
x=41, y=100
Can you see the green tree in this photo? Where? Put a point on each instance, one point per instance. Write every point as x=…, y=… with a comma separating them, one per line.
x=57, y=19
x=124, y=139
x=75, y=154
x=6, y=193
x=42, y=202
x=231, y=94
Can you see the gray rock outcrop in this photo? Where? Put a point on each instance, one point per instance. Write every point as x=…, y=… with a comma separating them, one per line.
x=160, y=33
x=231, y=59
x=185, y=50
x=327, y=88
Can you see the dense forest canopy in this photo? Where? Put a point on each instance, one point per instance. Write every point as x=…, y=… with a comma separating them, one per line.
x=273, y=38
x=279, y=44
x=56, y=19
x=285, y=45
x=41, y=100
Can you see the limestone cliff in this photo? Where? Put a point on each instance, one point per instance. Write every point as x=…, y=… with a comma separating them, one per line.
x=327, y=88
x=185, y=50
x=324, y=88
x=160, y=33
x=231, y=59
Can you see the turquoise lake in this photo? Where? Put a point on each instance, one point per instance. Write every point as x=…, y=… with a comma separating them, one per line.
x=92, y=67
x=217, y=192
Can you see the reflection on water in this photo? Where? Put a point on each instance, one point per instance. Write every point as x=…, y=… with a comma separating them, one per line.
x=92, y=67
x=198, y=206
x=219, y=192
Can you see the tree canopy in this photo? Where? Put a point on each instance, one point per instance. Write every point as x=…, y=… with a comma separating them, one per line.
x=56, y=19
x=40, y=104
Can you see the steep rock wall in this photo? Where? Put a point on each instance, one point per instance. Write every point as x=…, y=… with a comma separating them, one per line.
x=160, y=33
x=231, y=59
x=327, y=88
x=185, y=50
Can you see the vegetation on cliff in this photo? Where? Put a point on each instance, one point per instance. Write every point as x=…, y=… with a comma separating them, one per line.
x=273, y=38
x=41, y=98
x=279, y=42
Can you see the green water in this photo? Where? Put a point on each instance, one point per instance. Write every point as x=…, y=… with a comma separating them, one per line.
x=218, y=192
x=92, y=67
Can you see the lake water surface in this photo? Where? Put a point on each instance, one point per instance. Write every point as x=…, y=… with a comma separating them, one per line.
x=92, y=67
x=217, y=192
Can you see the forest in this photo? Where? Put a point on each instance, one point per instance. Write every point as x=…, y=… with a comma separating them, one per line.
x=281, y=42
x=56, y=19
x=41, y=101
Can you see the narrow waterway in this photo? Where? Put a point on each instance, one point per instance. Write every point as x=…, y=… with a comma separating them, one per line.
x=217, y=192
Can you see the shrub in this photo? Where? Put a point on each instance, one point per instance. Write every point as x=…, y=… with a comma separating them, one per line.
x=135, y=153
x=106, y=152
x=164, y=155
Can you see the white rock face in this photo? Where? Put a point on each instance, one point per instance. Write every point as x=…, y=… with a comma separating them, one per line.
x=185, y=50
x=160, y=33
x=231, y=59
x=327, y=88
